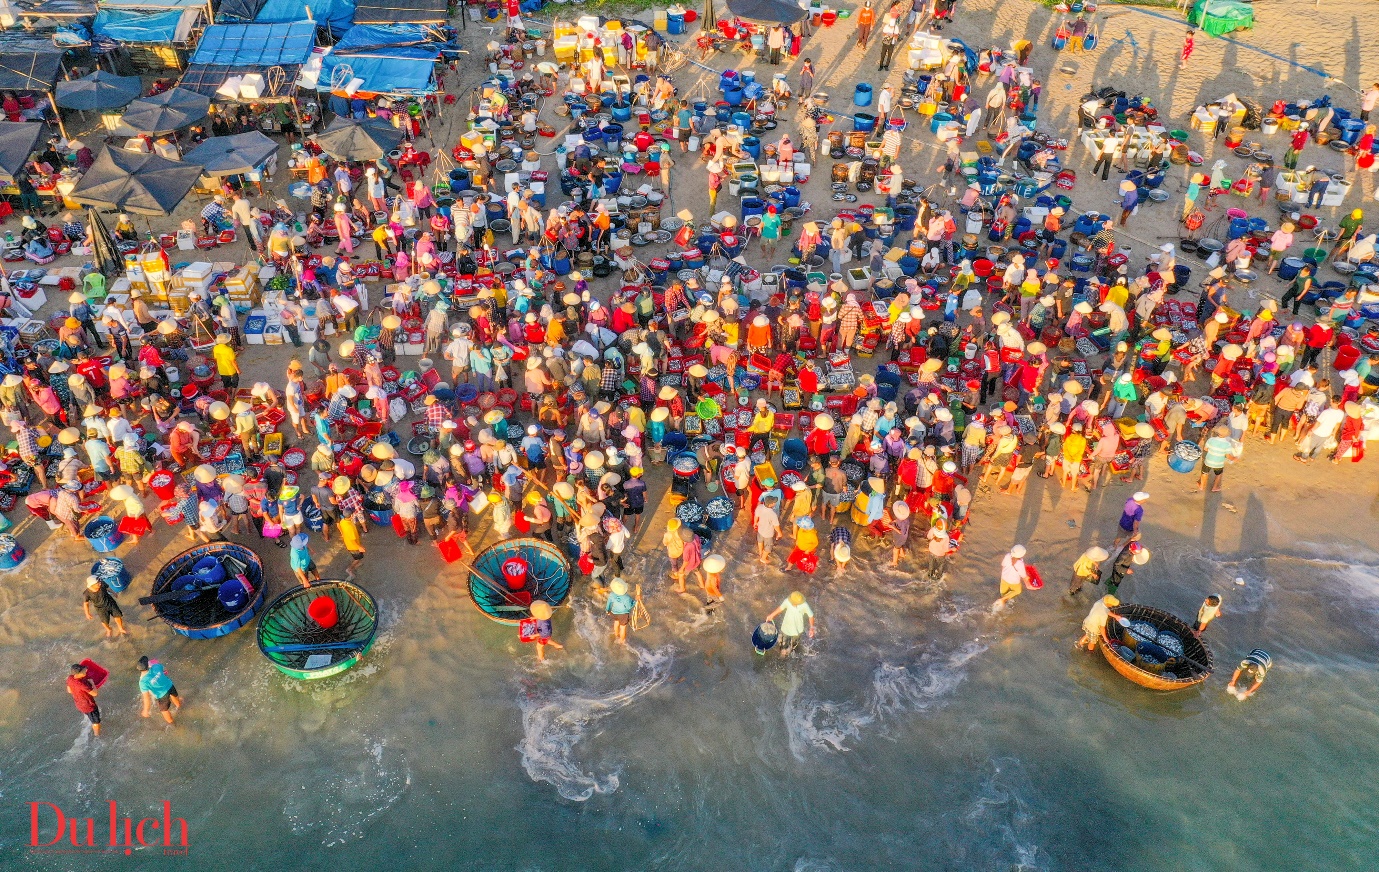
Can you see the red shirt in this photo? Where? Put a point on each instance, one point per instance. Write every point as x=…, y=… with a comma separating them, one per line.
x=83, y=693
x=1318, y=336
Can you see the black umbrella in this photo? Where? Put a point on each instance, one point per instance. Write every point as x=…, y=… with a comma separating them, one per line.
x=232, y=155
x=132, y=181
x=775, y=11
x=167, y=112
x=17, y=141
x=108, y=259
x=100, y=90
x=370, y=139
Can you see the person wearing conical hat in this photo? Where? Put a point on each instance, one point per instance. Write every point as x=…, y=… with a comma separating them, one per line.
x=1095, y=623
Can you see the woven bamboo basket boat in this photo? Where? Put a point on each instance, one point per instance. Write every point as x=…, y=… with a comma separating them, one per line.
x=1190, y=667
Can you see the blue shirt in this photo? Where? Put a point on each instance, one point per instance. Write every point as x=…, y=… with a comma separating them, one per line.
x=300, y=558
x=620, y=604
x=155, y=680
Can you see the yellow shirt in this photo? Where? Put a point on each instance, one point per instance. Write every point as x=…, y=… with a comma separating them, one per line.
x=225, y=363
x=762, y=422
x=349, y=535
x=1119, y=294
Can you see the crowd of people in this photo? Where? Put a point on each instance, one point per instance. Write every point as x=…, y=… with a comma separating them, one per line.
x=548, y=399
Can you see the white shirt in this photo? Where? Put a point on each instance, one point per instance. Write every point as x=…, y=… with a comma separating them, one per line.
x=1327, y=422
x=1301, y=377
x=1012, y=570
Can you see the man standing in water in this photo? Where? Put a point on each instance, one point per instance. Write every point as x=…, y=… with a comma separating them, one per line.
x=795, y=610
x=83, y=691
x=767, y=524
x=1013, y=575
x=156, y=686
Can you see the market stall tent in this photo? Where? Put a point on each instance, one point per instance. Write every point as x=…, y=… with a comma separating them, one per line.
x=229, y=50
x=133, y=181
x=381, y=59
x=159, y=26
x=400, y=12
x=336, y=15
x=358, y=140
x=1220, y=17
x=17, y=141
x=99, y=90
x=171, y=110
x=233, y=155
x=773, y=11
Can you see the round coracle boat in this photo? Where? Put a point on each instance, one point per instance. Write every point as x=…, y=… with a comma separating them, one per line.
x=1154, y=648
x=506, y=577
x=318, y=631
x=208, y=591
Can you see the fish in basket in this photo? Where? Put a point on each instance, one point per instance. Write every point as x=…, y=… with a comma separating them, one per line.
x=1154, y=648
x=507, y=576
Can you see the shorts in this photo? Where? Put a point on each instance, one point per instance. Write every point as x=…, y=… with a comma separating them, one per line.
x=684, y=134
x=165, y=701
x=766, y=541
x=310, y=567
x=1214, y=471
x=1020, y=474
x=629, y=510
x=622, y=620
x=832, y=501
x=1010, y=589
x=356, y=555
x=293, y=520
x=788, y=643
x=94, y=716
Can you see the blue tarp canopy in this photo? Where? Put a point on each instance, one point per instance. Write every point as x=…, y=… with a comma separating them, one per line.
x=124, y=25
x=391, y=59
x=256, y=45
x=237, y=49
x=400, y=11
x=337, y=14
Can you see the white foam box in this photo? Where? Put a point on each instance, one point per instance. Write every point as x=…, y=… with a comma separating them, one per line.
x=34, y=300
x=273, y=334
x=251, y=86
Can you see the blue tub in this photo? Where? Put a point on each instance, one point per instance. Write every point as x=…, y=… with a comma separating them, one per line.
x=612, y=137
x=112, y=571
x=103, y=534
x=864, y=122
x=861, y=95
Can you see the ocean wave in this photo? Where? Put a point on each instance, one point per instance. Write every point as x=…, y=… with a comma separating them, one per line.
x=895, y=689
x=993, y=829
x=337, y=802
x=553, y=723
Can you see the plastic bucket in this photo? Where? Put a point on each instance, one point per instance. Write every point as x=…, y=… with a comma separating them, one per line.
x=112, y=571
x=861, y=95
x=323, y=611
x=612, y=136
x=1184, y=457
x=103, y=534
x=163, y=484
x=11, y=553
x=864, y=122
